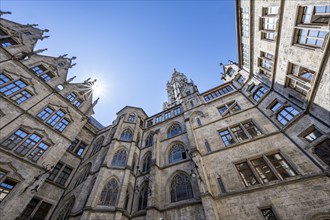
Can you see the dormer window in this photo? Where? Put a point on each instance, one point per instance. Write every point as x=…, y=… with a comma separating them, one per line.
x=73, y=98
x=43, y=72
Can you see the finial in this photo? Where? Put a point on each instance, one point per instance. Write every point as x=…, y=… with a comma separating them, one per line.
x=87, y=80
x=95, y=102
x=61, y=56
x=71, y=79
x=221, y=64
x=5, y=12
x=175, y=70
x=45, y=30
x=72, y=65
x=73, y=58
x=43, y=37
x=39, y=51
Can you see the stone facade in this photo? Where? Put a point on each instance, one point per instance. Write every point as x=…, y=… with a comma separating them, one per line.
x=255, y=147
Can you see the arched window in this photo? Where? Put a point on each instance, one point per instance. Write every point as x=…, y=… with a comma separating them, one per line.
x=143, y=197
x=177, y=153
x=198, y=120
x=109, y=193
x=98, y=145
x=119, y=159
x=83, y=174
x=181, y=188
x=150, y=140
x=127, y=135
x=66, y=209
x=146, y=162
x=174, y=130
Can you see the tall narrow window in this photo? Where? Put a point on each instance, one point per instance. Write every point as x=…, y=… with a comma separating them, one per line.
x=198, y=121
x=181, y=188
x=207, y=146
x=84, y=172
x=150, y=140
x=245, y=21
x=66, y=209
x=266, y=64
x=97, y=146
x=246, y=55
x=177, y=153
x=246, y=174
x=143, y=197
x=146, y=163
x=119, y=159
x=110, y=193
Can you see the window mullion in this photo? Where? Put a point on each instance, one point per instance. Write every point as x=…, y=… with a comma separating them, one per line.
x=270, y=165
x=254, y=172
x=232, y=135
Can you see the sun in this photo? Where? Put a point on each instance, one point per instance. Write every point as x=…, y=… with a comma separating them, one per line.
x=98, y=89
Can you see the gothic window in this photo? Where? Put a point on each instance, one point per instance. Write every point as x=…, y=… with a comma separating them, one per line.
x=14, y=90
x=36, y=209
x=6, y=185
x=110, y=193
x=66, y=209
x=177, y=153
x=84, y=172
x=126, y=200
x=131, y=118
x=126, y=135
x=97, y=146
x=54, y=119
x=77, y=147
x=286, y=114
x=150, y=140
x=146, y=162
x=73, y=98
x=268, y=214
x=26, y=143
x=322, y=150
x=181, y=188
x=174, y=130
x=43, y=72
x=119, y=159
x=60, y=173
x=143, y=197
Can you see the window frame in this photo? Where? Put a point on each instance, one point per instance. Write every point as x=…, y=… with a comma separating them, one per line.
x=43, y=72
x=76, y=148
x=5, y=177
x=14, y=89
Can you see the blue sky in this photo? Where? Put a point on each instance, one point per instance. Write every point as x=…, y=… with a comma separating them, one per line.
x=132, y=47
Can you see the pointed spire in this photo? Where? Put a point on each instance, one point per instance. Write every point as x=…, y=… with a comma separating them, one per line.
x=72, y=78
x=95, y=102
